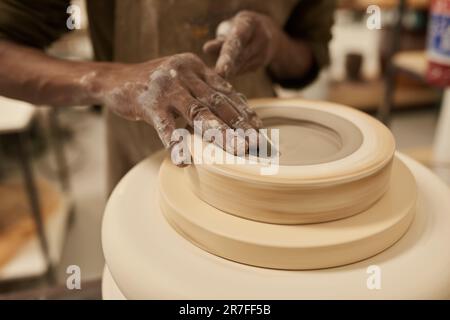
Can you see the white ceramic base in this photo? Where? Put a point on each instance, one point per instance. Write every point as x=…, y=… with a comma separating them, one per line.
x=150, y=260
x=110, y=291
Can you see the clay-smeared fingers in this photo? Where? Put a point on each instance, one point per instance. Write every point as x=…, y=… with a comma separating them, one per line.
x=241, y=105
x=201, y=117
x=229, y=61
x=220, y=104
x=236, y=99
x=164, y=123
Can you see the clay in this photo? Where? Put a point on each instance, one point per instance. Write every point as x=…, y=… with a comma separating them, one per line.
x=147, y=259
x=308, y=142
x=311, y=246
x=335, y=162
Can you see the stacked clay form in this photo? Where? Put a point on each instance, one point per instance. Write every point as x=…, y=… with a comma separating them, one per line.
x=333, y=185
x=339, y=196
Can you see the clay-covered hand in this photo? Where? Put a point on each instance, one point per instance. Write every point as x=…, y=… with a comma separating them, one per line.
x=179, y=85
x=244, y=43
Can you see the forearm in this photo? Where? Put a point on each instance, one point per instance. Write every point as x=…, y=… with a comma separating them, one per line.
x=29, y=74
x=292, y=59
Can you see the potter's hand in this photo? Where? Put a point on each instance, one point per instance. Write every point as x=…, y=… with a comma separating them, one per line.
x=159, y=90
x=252, y=40
x=244, y=43
x=154, y=91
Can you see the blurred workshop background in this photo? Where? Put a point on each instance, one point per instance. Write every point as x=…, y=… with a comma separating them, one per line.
x=57, y=156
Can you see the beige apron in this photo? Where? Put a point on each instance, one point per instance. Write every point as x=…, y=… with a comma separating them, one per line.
x=147, y=29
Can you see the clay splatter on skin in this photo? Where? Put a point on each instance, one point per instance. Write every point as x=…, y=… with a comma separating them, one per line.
x=149, y=101
x=223, y=29
x=87, y=78
x=78, y=98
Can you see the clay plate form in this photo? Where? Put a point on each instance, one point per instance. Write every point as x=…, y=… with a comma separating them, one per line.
x=292, y=247
x=335, y=162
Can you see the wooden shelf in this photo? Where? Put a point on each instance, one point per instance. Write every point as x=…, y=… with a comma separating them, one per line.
x=386, y=4
x=20, y=252
x=414, y=62
x=367, y=95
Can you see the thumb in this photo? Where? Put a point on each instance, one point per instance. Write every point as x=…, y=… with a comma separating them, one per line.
x=213, y=47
